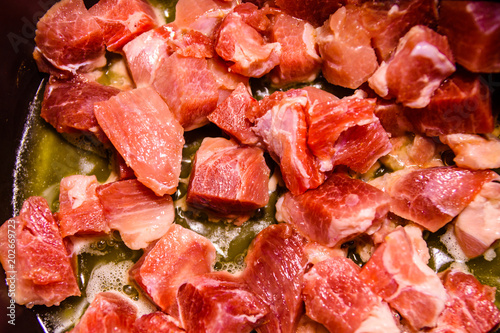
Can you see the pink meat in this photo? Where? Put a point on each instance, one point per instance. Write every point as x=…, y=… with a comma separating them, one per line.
x=123, y=20
x=136, y=212
x=346, y=50
x=392, y=117
x=470, y=307
x=227, y=178
x=141, y=127
x=397, y=273
x=232, y=115
x=255, y=18
x=219, y=302
x=316, y=12
x=69, y=38
x=335, y=296
x=462, y=104
x=108, y=312
x=274, y=270
x=156, y=322
x=422, y=60
x=41, y=270
x=178, y=256
x=337, y=210
x=68, y=105
x=80, y=211
x=283, y=130
x=188, y=87
x=246, y=49
x=299, y=60
x=473, y=29
x=202, y=15
x=226, y=80
x=432, y=197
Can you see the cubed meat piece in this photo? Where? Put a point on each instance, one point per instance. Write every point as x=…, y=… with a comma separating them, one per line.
x=202, y=15
x=477, y=152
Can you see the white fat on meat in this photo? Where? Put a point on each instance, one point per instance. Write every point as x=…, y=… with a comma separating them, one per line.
x=380, y=320
x=474, y=151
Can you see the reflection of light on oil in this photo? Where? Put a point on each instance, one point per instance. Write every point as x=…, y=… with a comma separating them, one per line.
x=441, y=259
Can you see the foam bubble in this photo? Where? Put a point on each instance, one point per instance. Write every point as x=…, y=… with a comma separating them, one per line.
x=450, y=241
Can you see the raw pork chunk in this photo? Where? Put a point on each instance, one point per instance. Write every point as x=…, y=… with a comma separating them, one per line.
x=80, y=211
x=179, y=255
x=283, y=131
x=398, y=274
x=227, y=178
x=41, y=271
x=219, y=302
x=477, y=152
x=337, y=210
x=345, y=47
x=108, y=312
x=473, y=29
x=274, y=270
x=136, y=212
x=69, y=39
x=156, y=322
x=123, y=20
x=335, y=296
x=314, y=11
x=202, y=15
x=141, y=127
x=422, y=60
x=68, y=105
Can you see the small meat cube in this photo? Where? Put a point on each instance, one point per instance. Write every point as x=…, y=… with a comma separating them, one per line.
x=470, y=306
x=299, y=60
x=41, y=270
x=232, y=115
x=461, y=104
x=156, y=322
x=188, y=87
x=422, y=60
x=340, y=208
x=473, y=30
x=69, y=39
x=80, y=211
x=202, y=15
x=474, y=151
x=141, y=127
x=391, y=116
x=108, y=312
x=227, y=178
x=478, y=225
x=345, y=47
x=275, y=266
x=397, y=273
x=136, y=212
x=178, y=256
x=68, y=105
x=432, y=197
x=335, y=296
x=123, y=20
x=245, y=48
x=219, y=302
x=283, y=130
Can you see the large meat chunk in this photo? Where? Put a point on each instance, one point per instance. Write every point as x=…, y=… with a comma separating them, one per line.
x=283, y=130
x=136, y=212
x=340, y=208
x=228, y=178
x=274, y=270
x=108, y=312
x=335, y=296
x=179, y=255
x=146, y=134
x=41, y=270
x=188, y=87
x=69, y=39
x=478, y=225
x=68, y=105
x=219, y=302
x=202, y=15
x=397, y=273
x=470, y=306
x=123, y=20
x=345, y=47
x=156, y=322
x=462, y=104
x=422, y=60
x=432, y=197
x=473, y=29
x=80, y=211
x=299, y=60
x=246, y=49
